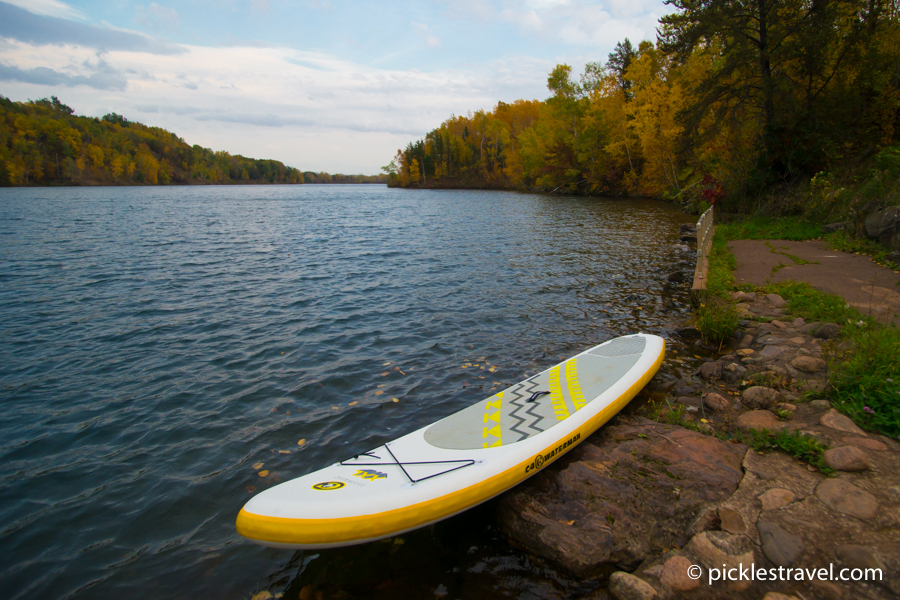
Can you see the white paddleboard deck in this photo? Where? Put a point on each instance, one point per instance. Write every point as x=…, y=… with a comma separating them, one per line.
x=458, y=462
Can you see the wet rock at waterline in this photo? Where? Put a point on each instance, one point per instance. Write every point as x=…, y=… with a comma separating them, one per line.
x=634, y=490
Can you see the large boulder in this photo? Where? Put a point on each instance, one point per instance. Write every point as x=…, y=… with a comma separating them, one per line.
x=884, y=225
x=632, y=491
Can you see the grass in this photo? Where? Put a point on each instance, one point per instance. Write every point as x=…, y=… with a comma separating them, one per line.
x=716, y=319
x=771, y=228
x=865, y=379
x=813, y=305
x=800, y=445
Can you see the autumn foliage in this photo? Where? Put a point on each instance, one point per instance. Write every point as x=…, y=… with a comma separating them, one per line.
x=733, y=98
x=42, y=142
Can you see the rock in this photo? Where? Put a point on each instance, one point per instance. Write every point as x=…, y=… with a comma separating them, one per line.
x=786, y=406
x=667, y=386
x=625, y=586
x=743, y=297
x=866, y=443
x=842, y=226
x=783, y=549
x=797, y=340
x=779, y=324
x=690, y=333
x=684, y=388
x=777, y=596
x=759, y=420
x=857, y=557
x=689, y=401
x=775, y=300
x=798, y=322
x=675, y=277
x=835, y=420
x=746, y=341
x=731, y=521
x=828, y=331
x=710, y=370
x=844, y=497
x=776, y=498
x=808, y=364
x=734, y=373
x=716, y=402
x=720, y=549
x=633, y=490
x=884, y=225
x=846, y=458
x=820, y=404
x=771, y=351
x=810, y=328
x=745, y=352
x=894, y=257
x=675, y=575
x=759, y=397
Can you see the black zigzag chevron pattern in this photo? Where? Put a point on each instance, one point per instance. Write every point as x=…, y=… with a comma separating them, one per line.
x=532, y=388
x=516, y=399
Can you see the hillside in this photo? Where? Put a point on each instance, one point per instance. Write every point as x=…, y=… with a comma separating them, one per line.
x=43, y=143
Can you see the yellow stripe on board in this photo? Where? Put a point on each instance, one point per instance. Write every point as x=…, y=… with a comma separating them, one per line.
x=322, y=532
x=556, y=396
x=574, y=388
x=495, y=416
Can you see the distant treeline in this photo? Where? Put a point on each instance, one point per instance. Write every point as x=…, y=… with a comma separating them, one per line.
x=731, y=100
x=43, y=143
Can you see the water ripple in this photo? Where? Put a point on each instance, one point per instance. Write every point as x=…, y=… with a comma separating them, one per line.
x=156, y=343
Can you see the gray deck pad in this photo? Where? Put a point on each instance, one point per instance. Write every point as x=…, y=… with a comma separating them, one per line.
x=509, y=417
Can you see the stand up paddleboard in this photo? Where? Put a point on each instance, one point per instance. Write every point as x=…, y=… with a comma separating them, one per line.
x=458, y=462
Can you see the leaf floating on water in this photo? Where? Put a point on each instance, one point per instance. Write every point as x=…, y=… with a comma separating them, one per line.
x=250, y=488
x=301, y=442
x=493, y=369
x=263, y=473
x=385, y=364
x=401, y=372
x=386, y=373
x=395, y=400
x=354, y=403
x=334, y=408
x=284, y=452
x=399, y=541
x=465, y=367
x=263, y=595
x=257, y=466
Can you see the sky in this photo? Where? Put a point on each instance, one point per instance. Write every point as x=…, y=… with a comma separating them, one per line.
x=321, y=85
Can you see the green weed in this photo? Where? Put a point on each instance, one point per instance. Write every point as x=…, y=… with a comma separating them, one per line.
x=800, y=445
x=771, y=228
x=811, y=304
x=716, y=319
x=865, y=379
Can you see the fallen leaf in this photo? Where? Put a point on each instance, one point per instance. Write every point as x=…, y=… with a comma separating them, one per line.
x=284, y=452
x=572, y=522
x=250, y=488
x=334, y=408
x=263, y=473
x=695, y=356
x=465, y=367
x=386, y=373
x=257, y=466
x=385, y=364
x=399, y=541
x=395, y=400
x=379, y=392
x=355, y=402
x=493, y=369
x=263, y=595
x=301, y=442
x=401, y=372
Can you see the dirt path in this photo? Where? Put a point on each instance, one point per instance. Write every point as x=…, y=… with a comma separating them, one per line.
x=864, y=285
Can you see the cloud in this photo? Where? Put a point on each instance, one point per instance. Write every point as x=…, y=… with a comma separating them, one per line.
x=19, y=24
x=100, y=80
x=583, y=22
x=157, y=18
x=422, y=30
x=50, y=8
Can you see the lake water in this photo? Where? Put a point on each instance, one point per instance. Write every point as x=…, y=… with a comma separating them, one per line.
x=157, y=343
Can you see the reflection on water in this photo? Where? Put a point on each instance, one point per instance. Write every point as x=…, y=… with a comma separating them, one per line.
x=157, y=344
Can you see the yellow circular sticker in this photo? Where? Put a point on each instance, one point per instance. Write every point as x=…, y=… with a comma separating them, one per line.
x=329, y=485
